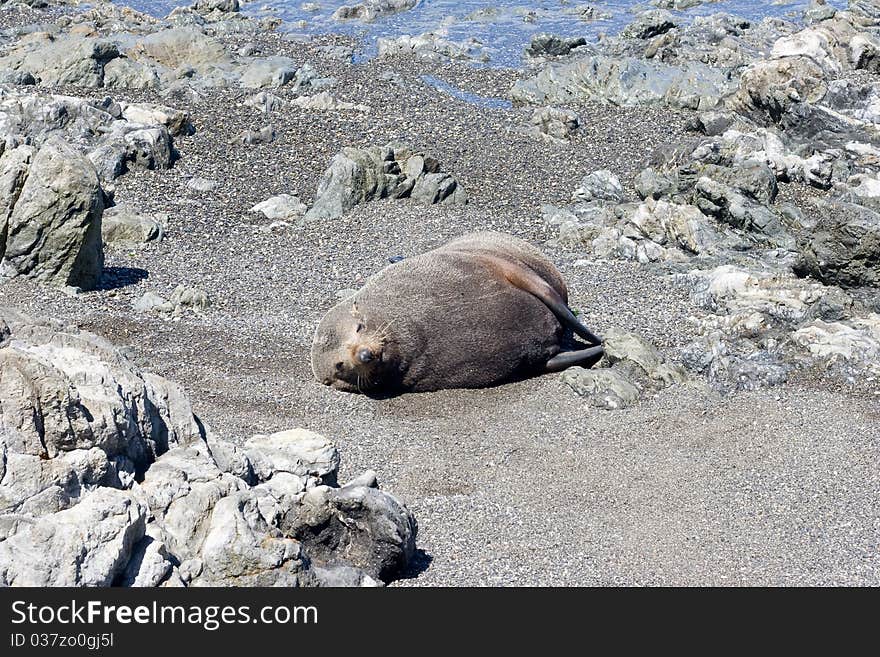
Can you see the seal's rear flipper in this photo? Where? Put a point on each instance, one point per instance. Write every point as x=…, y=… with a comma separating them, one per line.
x=569, y=358
x=527, y=280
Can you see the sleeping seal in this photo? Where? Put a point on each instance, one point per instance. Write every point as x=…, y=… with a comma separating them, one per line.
x=480, y=310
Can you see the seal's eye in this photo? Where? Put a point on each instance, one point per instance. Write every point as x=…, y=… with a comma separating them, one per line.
x=339, y=366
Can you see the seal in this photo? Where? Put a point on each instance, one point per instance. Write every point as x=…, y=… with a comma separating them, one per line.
x=480, y=310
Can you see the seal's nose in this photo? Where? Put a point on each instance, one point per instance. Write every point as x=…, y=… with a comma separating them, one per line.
x=364, y=355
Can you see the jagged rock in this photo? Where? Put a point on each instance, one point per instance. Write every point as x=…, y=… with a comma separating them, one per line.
x=649, y=24
x=269, y=72
x=726, y=204
x=359, y=524
x=226, y=6
x=768, y=88
x=550, y=45
x=370, y=10
x=431, y=45
x=844, y=247
x=626, y=81
x=53, y=231
x=602, y=185
x=361, y=175
x=851, y=346
x=87, y=545
x=553, y=123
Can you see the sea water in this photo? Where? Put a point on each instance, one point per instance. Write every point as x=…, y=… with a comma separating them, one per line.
x=504, y=28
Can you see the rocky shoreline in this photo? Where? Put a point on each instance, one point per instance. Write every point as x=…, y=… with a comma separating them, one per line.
x=707, y=188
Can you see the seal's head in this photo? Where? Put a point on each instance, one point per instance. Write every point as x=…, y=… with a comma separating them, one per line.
x=350, y=351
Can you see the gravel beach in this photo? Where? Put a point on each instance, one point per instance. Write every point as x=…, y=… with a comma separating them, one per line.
x=524, y=484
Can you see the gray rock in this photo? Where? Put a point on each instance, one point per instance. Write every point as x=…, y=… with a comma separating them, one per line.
x=649, y=24
x=204, y=185
x=844, y=248
x=361, y=175
x=602, y=185
x=604, y=388
x=726, y=204
x=87, y=545
x=550, y=45
x=297, y=451
x=360, y=525
x=369, y=10
x=122, y=225
x=282, y=206
x=553, y=124
x=626, y=81
x=71, y=60
x=54, y=227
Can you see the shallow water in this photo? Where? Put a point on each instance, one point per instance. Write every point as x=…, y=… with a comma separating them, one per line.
x=504, y=28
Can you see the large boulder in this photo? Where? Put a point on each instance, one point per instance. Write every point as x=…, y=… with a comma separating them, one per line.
x=53, y=232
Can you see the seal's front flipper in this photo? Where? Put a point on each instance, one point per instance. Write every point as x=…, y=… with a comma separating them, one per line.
x=527, y=280
x=567, y=359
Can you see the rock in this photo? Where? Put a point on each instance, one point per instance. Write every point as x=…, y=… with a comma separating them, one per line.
x=87, y=545
x=180, y=47
x=269, y=72
x=604, y=388
x=433, y=46
x=553, y=123
x=150, y=301
x=264, y=135
x=149, y=564
x=207, y=6
x=724, y=203
x=852, y=346
x=844, y=247
x=602, y=185
x=70, y=60
x=176, y=121
x=626, y=81
x=53, y=232
x=364, y=526
x=297, y=451
x=370, y=10
x=283, y=206
x=629, y=349
x=361, y=175
x=768, y=88
x=649, y=24
x=264, y=101
x=190, y=297
x=127, y=74
x=550, y=45
x=124, y=226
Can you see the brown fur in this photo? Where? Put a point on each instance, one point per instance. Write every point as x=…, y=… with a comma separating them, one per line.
x=448, y=318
